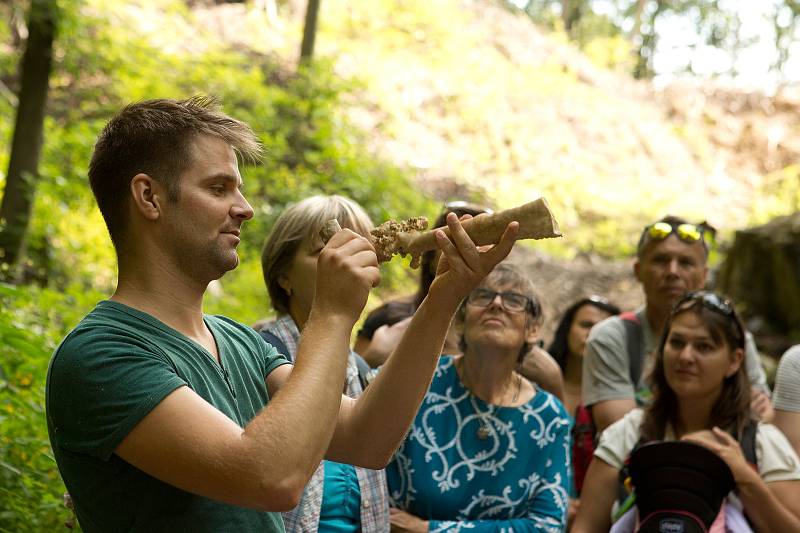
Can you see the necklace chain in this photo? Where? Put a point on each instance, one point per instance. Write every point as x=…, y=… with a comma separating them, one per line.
x=484, y=430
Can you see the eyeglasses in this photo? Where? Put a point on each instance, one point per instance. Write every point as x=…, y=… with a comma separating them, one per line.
x=686, y=232
x=712, y=301
x=513, y=302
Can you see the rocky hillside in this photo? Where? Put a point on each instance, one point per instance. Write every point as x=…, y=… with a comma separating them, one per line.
x=476, y=100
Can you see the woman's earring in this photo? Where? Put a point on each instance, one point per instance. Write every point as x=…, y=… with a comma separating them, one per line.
x=288, y=291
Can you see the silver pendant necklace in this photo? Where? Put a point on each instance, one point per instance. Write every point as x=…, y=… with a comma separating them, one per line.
x=483, y=431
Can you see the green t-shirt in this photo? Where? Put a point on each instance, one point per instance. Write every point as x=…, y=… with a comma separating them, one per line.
x=109, y=372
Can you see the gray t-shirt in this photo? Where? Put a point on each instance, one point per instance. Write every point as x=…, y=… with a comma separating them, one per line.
x=787, y=381
x=606, y=365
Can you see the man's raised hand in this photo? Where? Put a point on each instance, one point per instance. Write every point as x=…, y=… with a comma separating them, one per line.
x=347, y=268
x=463, y=265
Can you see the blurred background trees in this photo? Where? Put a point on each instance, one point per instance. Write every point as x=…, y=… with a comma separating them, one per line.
x=640, y=23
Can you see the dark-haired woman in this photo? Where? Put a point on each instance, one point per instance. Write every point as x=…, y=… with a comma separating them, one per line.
x=488, y=450
x=701, y=393
x=570, y=340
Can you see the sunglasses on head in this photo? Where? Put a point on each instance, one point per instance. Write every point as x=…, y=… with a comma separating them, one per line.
x=686, y=232
x=712, y=301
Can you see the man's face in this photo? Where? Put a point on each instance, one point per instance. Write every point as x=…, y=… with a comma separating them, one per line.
x=202, y=226
x=669, y=268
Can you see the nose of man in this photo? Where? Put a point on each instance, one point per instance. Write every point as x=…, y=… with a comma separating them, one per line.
x=242, y=209
x=673, y=267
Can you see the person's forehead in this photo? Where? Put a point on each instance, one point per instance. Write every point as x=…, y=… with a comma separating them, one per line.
x=213, y=154
x=498, y=284
x=591, y=310
x=690, y=323
x=672, y=245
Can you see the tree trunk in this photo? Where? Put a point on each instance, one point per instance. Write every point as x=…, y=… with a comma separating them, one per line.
x=637, y=21
x=309, y=30
x=26, y=144
x=762, y=274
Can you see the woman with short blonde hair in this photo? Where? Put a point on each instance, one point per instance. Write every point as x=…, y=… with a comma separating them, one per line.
x=338, y=497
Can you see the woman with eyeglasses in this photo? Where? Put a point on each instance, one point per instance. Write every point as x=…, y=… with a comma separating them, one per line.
x=488, y=450
x=701, y=393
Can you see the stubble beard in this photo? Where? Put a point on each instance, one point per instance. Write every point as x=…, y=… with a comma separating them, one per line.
x=208, y=263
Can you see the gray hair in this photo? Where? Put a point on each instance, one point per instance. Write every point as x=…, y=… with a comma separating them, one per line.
x=508, y=275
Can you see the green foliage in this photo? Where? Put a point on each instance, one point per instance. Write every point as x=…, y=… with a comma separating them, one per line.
x=779, y=195
x=105, y=59
x=32, y=321
x=613, y=52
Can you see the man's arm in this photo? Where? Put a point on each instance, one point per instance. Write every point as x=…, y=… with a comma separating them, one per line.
x=186, y=442
x=540, y=367
x=606, y=413
x=787, y=396
x=606, y=382
x=755, y=370
x=371, y=427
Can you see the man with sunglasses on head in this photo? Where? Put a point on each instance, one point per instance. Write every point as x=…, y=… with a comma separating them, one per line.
x=670, y=260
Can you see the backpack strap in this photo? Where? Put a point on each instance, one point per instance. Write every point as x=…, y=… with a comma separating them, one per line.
x=748, y=443
x=633, y=344
x=276, y=343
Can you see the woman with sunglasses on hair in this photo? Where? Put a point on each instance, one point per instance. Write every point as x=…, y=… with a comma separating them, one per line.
x=488, y=450
x=701, y=393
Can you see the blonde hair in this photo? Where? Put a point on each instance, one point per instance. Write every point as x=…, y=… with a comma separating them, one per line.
x=299, y=224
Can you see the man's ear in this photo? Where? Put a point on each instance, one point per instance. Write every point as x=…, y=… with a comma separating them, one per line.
x=146, y=194
x=637, y=269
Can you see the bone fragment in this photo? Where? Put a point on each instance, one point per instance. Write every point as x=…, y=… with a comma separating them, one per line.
x=329, y=229
x=408, y=236
x=385, y=237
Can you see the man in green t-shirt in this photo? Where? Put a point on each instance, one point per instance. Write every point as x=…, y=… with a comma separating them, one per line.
x=163, y=418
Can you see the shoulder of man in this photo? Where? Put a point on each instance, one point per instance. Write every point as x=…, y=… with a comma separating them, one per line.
x=230, y=325
x=609, y=331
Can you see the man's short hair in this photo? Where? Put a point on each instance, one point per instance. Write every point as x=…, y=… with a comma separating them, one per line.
x=300, y=224
x=645, y=239
x=155, y=137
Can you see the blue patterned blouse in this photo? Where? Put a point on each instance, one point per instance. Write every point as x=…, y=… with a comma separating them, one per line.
x=469, y=465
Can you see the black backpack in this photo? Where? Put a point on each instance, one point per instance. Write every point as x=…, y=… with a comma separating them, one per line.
x=679, y=485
